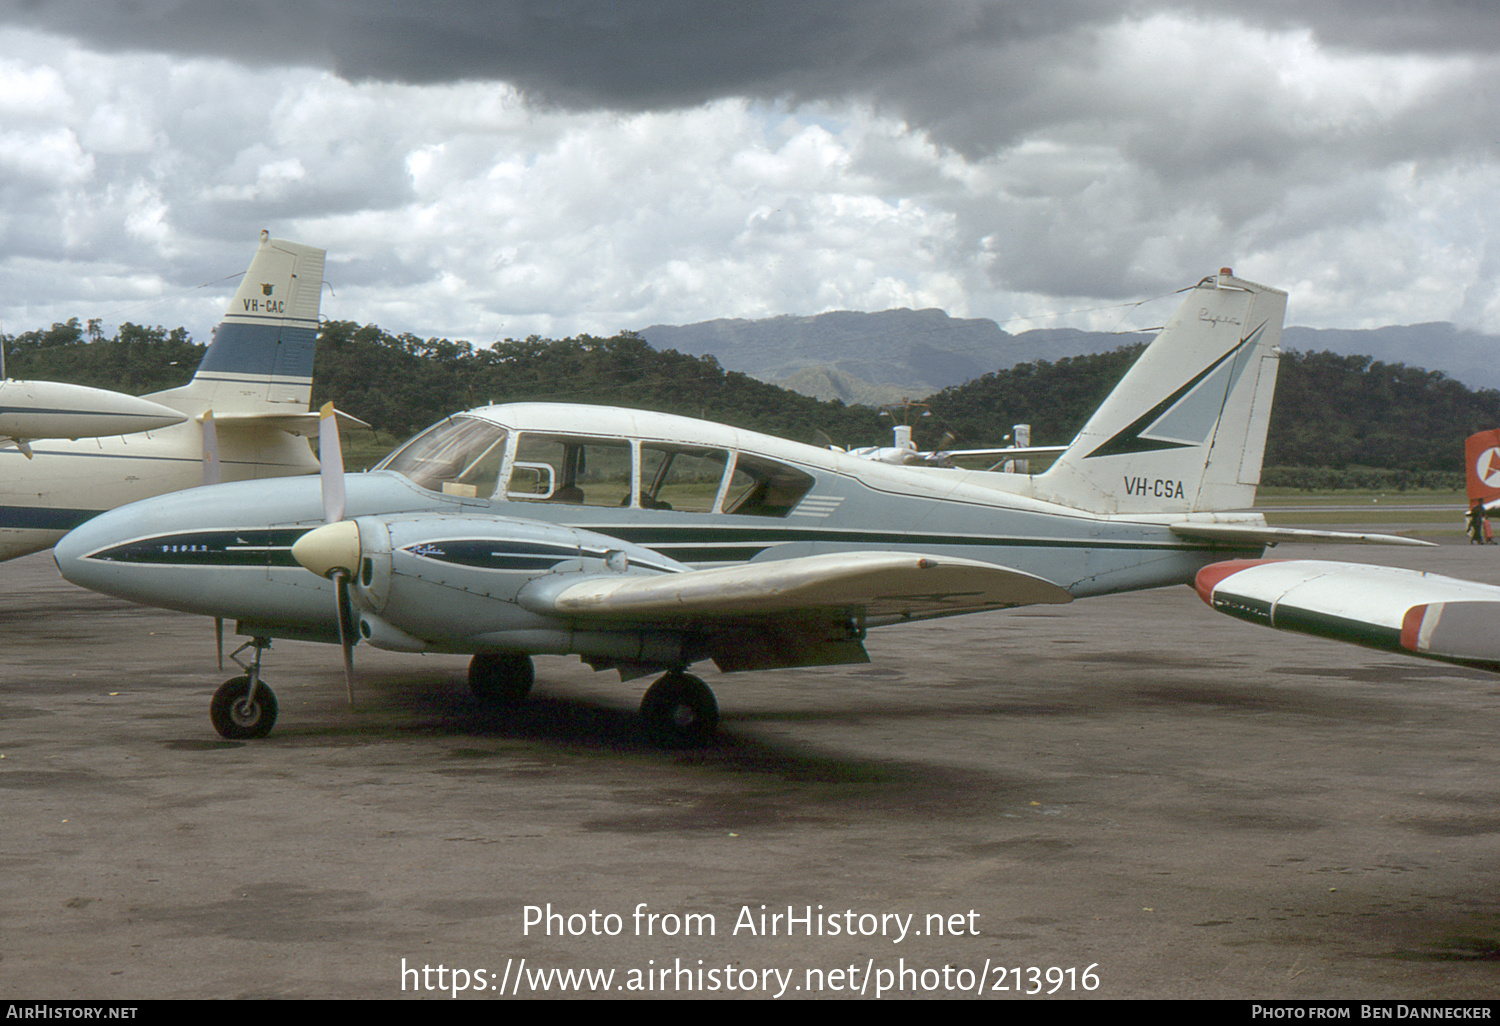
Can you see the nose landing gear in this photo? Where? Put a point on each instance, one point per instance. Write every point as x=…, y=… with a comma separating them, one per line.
x=244, y=708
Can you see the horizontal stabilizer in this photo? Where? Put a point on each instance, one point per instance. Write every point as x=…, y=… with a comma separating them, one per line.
x=1257, y=535
x=877, y=583
x=292, y=423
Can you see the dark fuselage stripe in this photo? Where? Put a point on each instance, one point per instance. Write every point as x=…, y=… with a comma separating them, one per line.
x=42, y=518
x=681, y=539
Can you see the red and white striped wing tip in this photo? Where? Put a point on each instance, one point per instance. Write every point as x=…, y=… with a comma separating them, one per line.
x=1209, y=577
x=1467, y=631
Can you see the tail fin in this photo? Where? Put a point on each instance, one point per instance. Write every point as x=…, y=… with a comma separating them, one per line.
x=1185, y=430
x=1482, y=467
x=261, y=356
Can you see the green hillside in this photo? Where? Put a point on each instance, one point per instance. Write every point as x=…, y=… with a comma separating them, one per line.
x=1341, y=414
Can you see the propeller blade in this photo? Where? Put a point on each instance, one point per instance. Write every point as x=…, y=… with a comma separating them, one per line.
x=210, y=450
x=346, y=630
x=331, y=456
x=219, y=638
x=821, y=439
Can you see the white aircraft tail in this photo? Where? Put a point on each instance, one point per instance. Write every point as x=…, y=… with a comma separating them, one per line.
x=1185, y=429
x=261, y=358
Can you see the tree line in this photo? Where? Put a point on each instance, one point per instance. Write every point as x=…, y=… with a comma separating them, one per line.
x=1352, y=418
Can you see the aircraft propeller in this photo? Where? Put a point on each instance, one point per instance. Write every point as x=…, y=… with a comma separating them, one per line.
x=210, y=448
x=211, y=477
x=332, y=551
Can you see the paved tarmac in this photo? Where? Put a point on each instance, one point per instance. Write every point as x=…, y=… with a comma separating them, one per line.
x=1126, y=797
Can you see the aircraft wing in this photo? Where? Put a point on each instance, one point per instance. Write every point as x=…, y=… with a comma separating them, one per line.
x=424, y=581
x=1390, y=608
x=1010, y=452
x=1260, y=535
x=876, y=583
x=53, y=409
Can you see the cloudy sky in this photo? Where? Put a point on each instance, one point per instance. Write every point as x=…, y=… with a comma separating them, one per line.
x=483, y=170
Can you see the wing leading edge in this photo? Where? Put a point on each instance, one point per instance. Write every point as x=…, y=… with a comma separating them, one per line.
x=876, y=583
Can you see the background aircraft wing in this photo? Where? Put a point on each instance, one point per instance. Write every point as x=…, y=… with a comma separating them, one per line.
x=875, y=583
x=1019, y=452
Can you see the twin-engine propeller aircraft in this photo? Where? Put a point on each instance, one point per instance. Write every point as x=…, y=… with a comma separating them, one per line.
x=240, y=417
x=645, y=543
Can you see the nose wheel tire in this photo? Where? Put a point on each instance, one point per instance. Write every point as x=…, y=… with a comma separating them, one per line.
x=680, y=711
x=236, y=716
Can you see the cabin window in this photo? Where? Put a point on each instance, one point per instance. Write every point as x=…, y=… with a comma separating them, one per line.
x=577, y=471
x=694, y=481
x=464, y=456
x=458, y=456
x=763, y=488
x=681, y=478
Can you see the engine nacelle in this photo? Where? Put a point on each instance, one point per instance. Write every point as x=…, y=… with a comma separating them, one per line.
x=416, y=578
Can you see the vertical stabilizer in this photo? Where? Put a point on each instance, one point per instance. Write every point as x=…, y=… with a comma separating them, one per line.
x=1185, y=429
x=1482, y=467
x=261, y=356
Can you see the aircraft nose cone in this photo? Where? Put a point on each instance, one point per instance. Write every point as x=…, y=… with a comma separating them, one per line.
x=68, y=554
x=329, y=548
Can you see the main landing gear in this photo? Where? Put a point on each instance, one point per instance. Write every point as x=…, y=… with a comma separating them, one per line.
x=244, y=707
x=501, y=677
x=680, y=711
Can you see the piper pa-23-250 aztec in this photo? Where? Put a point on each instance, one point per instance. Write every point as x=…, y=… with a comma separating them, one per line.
x=644, y=542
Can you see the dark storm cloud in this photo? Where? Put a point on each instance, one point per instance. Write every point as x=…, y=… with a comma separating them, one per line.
x=963, y=69
x=1103, y=148
x=637, y=54
x=652, y=53
x=1383, y=26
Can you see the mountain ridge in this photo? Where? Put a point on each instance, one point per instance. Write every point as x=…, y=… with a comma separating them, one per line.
x=881, y=357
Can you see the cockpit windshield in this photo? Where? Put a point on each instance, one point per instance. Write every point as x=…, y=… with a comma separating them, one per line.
x=467, y=457
x=457, y=456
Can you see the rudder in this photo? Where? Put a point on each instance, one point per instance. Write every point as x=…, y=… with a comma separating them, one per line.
x=261, y=356
x=1185, y=429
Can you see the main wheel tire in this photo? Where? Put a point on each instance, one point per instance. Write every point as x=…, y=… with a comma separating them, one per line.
x=680, y=711
x=501, y=677
x=239, y=719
